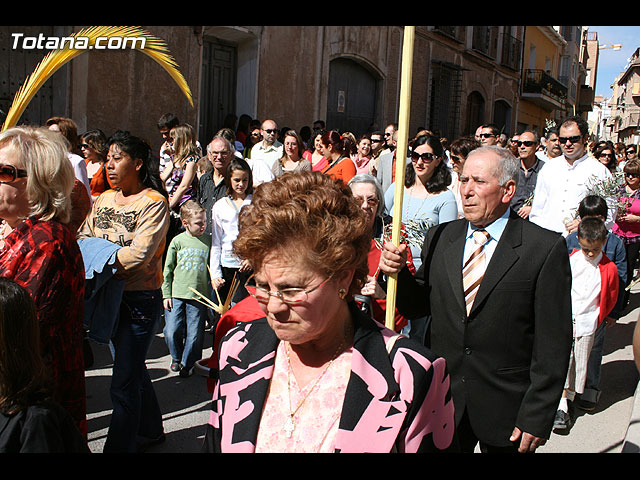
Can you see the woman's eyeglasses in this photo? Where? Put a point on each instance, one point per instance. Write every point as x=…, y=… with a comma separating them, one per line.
x=425, y=157
x=290, y=296
x=632, y=175
x=9, y=173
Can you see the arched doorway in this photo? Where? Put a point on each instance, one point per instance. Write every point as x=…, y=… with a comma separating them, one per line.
x=351, y=101
x=502, y=116
x=475, y=112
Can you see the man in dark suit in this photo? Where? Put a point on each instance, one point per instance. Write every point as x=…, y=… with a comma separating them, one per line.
x=507, y=343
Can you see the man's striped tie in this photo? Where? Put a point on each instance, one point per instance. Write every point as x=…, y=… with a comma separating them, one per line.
x=474, y=268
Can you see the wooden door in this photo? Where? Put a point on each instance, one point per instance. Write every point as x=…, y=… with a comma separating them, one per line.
x=351, y=102
x=218, y=87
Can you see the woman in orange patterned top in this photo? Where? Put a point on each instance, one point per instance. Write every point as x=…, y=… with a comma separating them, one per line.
x=135, y=215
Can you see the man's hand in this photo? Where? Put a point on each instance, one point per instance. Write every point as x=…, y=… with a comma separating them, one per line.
x=524, y=212
x=393, y=258
x=528, y=442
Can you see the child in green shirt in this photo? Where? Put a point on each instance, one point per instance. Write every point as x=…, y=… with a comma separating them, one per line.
x=186, y=266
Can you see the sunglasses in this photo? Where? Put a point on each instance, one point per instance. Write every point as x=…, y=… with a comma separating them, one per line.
x=526, y=143
x=9, y=173
x=487, y=135
x=376, y=140
x=425, y=157
x=632, y=175
x=270, y=130
x=574, y=139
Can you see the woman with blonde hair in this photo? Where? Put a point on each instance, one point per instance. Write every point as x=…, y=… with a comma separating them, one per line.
x=41, y=253
x=179, y=174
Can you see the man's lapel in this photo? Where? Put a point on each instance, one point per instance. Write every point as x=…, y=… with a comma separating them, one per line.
x=453, y=253
x=503, y=258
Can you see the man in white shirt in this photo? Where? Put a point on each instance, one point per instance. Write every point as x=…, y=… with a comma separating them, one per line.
x=565, y=180
x=269, y=150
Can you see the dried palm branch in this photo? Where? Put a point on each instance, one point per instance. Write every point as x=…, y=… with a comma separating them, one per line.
x=153, y=47
x=218, y=307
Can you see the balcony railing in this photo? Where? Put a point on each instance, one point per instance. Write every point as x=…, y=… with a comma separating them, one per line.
x=539, y=81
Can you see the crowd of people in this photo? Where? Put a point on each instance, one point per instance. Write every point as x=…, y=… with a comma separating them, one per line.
x=516, y=255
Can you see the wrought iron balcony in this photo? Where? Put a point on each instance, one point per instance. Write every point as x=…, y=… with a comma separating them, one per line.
x=540, y=87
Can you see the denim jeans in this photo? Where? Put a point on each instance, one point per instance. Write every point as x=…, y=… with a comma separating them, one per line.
x=136, y=411
x=184, y=330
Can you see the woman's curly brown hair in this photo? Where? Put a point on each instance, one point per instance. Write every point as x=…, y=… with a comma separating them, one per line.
x=306, y=215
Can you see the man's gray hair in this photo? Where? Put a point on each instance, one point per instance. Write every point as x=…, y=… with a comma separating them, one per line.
x=508, y=166
x=230, y=146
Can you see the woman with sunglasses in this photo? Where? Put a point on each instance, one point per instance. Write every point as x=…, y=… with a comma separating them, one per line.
x=315, y=374
x=627, y=225
x=253, y=137
x=427, y=200
x=41, y=253
x=606, y=155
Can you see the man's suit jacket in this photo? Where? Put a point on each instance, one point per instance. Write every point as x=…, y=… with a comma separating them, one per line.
x=509, y=358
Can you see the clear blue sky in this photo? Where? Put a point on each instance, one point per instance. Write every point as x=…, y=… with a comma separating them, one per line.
x=611, y=63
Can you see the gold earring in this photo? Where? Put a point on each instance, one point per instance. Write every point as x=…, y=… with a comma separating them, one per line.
x=342, y=293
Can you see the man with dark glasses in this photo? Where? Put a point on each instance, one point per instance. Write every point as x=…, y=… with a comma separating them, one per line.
x=489, y=135
x=269, y=150
x=527, y=143
x=564, y=181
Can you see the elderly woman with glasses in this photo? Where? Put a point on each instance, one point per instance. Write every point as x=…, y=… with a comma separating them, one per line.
x=372, y=297
x=627, y=225
x=316, y=374
x=41, y=253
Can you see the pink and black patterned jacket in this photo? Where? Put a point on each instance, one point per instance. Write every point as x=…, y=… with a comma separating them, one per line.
x=395, y=401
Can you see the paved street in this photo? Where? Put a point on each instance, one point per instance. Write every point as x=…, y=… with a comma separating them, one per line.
x=603, y=430
x=185, y=402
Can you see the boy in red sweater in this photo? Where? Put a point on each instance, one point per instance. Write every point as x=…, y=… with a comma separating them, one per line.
x=594, y=293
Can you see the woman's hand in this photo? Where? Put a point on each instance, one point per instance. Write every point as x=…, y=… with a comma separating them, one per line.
x=372, y=288
x=629, y=218
x=245, y=266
